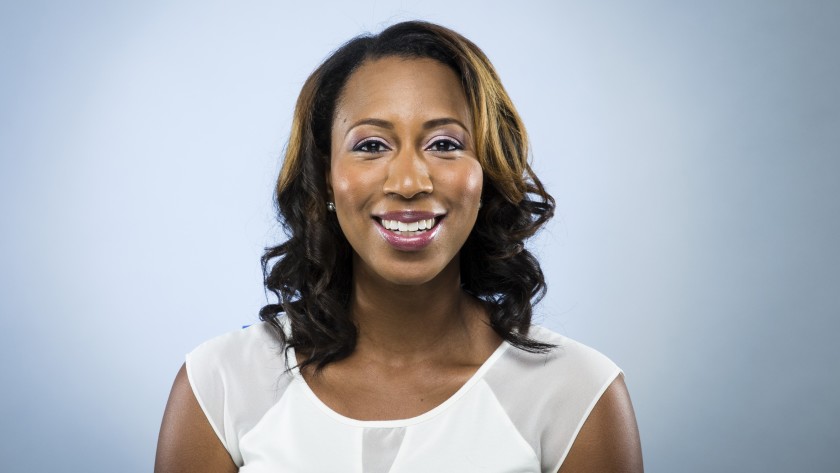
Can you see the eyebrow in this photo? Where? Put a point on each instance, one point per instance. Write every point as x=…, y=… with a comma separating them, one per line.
x=444, y=121
x=390, y=126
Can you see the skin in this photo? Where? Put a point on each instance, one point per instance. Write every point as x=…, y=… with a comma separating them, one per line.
x=187, y=443
x=402, y=140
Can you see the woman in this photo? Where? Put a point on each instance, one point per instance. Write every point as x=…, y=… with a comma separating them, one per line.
x=402, y=338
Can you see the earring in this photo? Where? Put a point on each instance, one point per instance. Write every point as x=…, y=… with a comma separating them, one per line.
x=331, y=206
x=479, y=203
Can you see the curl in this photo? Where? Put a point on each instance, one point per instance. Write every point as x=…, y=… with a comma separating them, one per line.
x=310, y=273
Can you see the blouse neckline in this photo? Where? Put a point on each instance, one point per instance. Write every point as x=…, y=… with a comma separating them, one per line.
x=475, y=378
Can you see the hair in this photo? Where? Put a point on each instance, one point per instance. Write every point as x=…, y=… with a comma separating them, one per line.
x=311, y=272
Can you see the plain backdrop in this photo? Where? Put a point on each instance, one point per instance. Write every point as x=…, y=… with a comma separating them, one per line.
x=693, y=149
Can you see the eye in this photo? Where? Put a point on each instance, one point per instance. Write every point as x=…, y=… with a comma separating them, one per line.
x=371, y=146
x=445, y=144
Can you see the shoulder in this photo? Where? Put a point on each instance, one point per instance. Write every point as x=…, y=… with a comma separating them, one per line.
x=570, y=366
x=254, y=343
x=570, y=354
x=187, y=441
x=609, y=439
x=236, y=378
x=548, y=396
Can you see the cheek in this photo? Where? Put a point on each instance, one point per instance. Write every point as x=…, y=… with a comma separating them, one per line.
x=342, y=189
x=469, y=180
x=346, y=183
x=352, y=189
x=475, y=181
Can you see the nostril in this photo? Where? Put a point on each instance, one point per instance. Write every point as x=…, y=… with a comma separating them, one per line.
x=408, y=178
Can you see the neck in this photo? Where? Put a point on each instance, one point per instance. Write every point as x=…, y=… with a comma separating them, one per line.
x=401, y=323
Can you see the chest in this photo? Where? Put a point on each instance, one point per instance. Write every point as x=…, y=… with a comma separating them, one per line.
x=469, y=432
x=377, y=393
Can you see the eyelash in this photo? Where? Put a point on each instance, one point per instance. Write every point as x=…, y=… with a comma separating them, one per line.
x=448, y=142
x=366, y=143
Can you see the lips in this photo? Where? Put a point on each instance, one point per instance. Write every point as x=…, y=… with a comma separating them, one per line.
x=408, y=230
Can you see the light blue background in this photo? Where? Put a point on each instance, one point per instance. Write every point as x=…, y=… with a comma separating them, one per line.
x=692, y=147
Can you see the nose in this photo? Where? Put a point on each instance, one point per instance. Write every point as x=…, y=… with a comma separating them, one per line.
x=408, y=175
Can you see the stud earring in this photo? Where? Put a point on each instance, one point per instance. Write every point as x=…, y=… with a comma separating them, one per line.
x=331, y=206
x=480, y=202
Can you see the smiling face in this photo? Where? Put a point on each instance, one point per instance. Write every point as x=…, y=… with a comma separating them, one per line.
x=403, y=170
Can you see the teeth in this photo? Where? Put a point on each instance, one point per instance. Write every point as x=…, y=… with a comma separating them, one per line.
x=397, y=226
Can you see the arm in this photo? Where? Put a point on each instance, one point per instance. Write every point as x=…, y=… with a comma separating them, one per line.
x=609, y=439
x=187, y=442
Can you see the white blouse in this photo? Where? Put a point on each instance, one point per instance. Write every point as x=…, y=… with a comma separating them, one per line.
x=520, y=412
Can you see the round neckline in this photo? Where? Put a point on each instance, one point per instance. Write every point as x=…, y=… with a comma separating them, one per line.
x=391, y=423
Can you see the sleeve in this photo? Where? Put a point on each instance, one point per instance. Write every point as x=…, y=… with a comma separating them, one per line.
x=208, y=379
x=592, y=373
x=236, y=379
x=549, y=396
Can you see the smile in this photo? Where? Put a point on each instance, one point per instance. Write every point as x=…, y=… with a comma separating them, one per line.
x=409, y=230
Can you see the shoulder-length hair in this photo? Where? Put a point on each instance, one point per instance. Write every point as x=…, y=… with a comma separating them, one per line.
x=310, y=273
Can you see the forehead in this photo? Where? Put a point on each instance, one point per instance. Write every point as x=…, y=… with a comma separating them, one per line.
x=394, y=88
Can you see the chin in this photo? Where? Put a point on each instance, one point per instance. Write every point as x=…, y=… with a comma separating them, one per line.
x=407, y=278
x=415, y=271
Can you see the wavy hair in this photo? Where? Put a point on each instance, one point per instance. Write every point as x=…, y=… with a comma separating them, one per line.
x=310, y=273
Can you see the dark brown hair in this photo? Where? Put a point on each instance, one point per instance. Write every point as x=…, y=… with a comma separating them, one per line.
x=310, y=273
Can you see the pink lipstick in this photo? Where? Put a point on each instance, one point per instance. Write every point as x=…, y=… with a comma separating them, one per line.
x=408, y=230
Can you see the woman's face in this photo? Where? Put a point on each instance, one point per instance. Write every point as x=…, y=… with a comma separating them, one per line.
x=403, y=171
